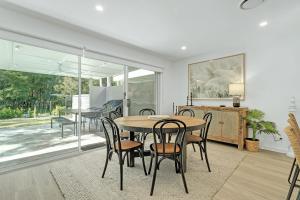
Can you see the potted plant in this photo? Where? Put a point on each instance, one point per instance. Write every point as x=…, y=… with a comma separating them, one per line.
x=255, y=120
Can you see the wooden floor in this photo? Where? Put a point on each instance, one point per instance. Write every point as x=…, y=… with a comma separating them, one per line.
x=260, y=176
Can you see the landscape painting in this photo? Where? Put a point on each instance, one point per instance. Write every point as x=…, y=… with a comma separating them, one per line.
x=210, y=79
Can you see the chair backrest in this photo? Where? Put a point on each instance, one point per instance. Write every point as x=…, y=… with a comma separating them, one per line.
x=114, y=115
x=162, y=127
x=204, y=131
x=147, y=111
x=294, y=139
x=186, y=110
x=293, y=122
x=111, y=132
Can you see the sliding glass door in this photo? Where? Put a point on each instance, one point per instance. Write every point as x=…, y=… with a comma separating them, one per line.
x=141, y=92
x=37, y=87
x=51, y=102
x=101, y=93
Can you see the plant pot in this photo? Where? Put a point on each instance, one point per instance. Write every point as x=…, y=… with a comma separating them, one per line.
x=252, y=145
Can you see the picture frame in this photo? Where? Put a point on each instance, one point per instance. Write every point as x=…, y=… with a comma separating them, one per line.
x=210, y=79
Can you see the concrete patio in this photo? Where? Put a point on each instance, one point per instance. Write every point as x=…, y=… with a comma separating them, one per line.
x=29, y=141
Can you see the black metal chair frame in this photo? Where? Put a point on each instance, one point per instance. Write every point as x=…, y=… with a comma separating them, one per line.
x=147, y=110
x=182, y=112
x=293, y=181
x=114, y=115
x=158, y=133
x=116, y=147
x=203, y=134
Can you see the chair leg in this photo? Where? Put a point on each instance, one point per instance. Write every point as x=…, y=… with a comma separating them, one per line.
x=294, y=180
x=150, y=166
x=143, y=160
x=206, y=158
x=161, y=159
x=182, y=175
x=154, y=175
x=176, y=166
x=291, y=172
x=200, y=151
x=194, y=147
x=121, y=171
x=106, y=162
x=127, y=158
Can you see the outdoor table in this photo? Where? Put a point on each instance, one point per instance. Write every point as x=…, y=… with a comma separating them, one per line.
x=145, y=125
x=84, y=112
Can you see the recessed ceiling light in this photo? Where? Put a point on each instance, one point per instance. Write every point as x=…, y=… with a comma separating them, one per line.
x=250, y=4
x=183, y=48
x=263, y=23
x=99, y=8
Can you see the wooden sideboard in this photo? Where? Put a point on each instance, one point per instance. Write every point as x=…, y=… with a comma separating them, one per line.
x=228, y=124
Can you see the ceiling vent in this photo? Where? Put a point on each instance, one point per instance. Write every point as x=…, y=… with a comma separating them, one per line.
x=250, y=4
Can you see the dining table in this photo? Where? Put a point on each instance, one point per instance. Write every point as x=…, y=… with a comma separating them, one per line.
x=144, y=124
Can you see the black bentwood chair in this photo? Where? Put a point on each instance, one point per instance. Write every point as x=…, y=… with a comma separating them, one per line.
x=147, y=111
x=114, y=144
x=201, y=139
x=186, y=112
x=114, y=115
x=161, y=150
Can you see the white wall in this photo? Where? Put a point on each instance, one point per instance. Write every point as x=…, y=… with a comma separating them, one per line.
x=272, y=76
x=97, y=96
x=114, y=93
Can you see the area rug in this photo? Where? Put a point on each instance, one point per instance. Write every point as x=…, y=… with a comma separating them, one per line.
x=79, y=178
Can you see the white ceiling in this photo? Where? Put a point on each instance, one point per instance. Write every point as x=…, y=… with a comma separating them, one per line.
x=163, y=26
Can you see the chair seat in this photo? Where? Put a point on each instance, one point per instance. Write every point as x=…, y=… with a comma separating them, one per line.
x=124, y=134
x=128, y=144
x=193, y=139
x=169, y=148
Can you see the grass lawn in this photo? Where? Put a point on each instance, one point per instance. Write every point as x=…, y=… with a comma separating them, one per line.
x=21, y=122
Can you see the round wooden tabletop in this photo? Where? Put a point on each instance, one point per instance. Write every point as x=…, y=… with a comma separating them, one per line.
x=144, y=124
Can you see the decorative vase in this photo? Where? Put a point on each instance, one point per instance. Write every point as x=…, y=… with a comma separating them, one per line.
x=252, y=145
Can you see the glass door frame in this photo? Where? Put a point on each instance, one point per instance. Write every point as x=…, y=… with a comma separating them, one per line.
x=157, y=100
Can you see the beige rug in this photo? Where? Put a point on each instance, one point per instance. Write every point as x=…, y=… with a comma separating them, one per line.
x=80, y=177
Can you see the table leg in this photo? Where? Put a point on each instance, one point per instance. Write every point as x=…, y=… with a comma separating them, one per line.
x=131, y=153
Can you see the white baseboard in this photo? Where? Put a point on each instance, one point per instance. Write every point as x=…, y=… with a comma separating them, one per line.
x=279, y=150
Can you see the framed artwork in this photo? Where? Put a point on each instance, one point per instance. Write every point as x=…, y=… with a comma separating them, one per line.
x=211, y=79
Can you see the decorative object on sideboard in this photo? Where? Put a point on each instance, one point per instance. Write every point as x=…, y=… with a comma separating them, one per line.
x=292, y=106
x=255, y=121
x=187, y=100
x=173, y=107
x=236, y=90
x=191, y=97
x=210, y=79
